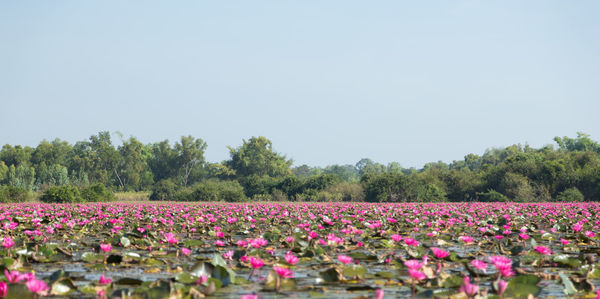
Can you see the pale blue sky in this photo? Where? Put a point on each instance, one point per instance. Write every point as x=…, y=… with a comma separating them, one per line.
x=327, y=81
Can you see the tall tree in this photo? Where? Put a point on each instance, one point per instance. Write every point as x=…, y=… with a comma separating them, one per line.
x=256, y=158
x=190, y=156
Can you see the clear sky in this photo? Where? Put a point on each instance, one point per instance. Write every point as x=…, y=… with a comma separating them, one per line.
x=327, y=81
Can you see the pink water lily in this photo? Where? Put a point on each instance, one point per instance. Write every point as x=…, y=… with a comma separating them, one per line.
x=8, y=242
x=290, y=258
x=37, y=286
x=543, y=250
x=344, y=259
x=103, y=280
x=3, y=289
x=439, y=253
x=284, y=272
x=468, y=288
x=256, y=262
x=185, y=251
x=106, y=247
x=479, y=264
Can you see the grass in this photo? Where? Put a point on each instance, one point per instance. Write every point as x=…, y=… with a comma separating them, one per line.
x=133, y=196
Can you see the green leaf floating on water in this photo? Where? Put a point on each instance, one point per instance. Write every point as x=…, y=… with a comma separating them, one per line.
x=330, y=275
x=193, y=243
x=218, y=260
x=202, y=268
x=91, y=257
x=185, y=277
x=521, y=286
x=223, y=275
x=355, y=271
x=125, y=242
x=568, y=284
x=453, y=281
x=62, y=287
x=566, y=260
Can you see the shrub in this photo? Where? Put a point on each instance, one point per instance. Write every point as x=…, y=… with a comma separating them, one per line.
x=571, y=194
x=61, y=194
x=12, y=194
x=215, y=190
x=164, y=190
x=97, y=192
x=493, y=196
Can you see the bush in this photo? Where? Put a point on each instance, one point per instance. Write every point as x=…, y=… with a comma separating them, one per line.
x=12, y=194
x=571, y=194
x=164, y=190
x=97, y=192
x=211, y=190
x=493, y=196
x=61, y=194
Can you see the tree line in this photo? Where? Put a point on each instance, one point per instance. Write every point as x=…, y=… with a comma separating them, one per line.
x=255, y=171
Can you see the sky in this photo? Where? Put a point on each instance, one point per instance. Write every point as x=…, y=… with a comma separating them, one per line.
x=328, y=82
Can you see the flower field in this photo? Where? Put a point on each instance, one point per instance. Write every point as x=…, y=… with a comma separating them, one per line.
x=329, y=250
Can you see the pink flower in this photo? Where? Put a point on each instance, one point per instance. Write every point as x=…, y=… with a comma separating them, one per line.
x=220, y=234
x=411, y=242
x=577, y=227
x=397, y=238
x=258, y=242
x=103, y=280
x=469, y=288
x=106, y=247
x=344, y=259
x=3, y=289
x=290, y=239
x=228, y=255
x=37, y=286
x=543, y=250
x=524, y=236
x=219, y=243
x=466, y=239
x=564, y=242
x=439, y=253
x=416, y=274
x=8, y=242
x=290, y=258
x=242, y=243
x=379, y=293
x=170, y=237
x=256, y=262
x=503, y=264
x=413, y=264
x=502, y=286
x=13, y=276
x=202, y=279
x=589, y=234
x=499, y=237
x=479, y=264
x=185, y=251
x=249, y=296
x=284, y=272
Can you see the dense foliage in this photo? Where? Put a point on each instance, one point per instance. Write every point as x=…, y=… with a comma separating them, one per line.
x=569, y=172
x=300, y=250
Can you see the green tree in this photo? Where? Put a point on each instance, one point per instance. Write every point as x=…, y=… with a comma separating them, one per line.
x=54, y=175
x=16, y=155
x=190, y=156
x=163, y=161
x=22, y=177
x=133, y=169
x=256, y=158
